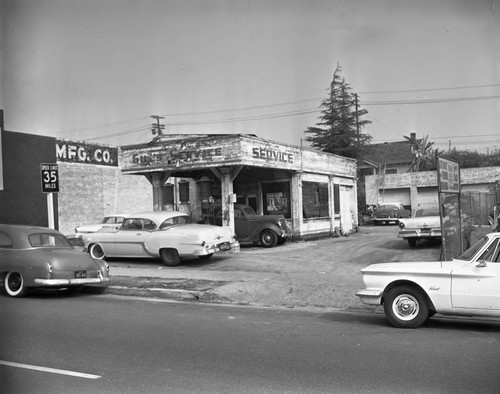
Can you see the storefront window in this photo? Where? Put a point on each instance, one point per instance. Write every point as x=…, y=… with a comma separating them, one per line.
x=168, y=194
x=277, y=199
x=315, y=199
x=184, y=191
x=336, y=199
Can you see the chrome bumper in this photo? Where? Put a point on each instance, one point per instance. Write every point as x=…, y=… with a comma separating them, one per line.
x=370, y=297
x=419, y=234
x=68, y=282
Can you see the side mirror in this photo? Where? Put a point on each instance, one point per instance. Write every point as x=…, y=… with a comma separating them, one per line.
x=481, y=264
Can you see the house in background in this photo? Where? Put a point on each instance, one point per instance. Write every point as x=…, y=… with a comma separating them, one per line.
x=385, y=174
x=385, y=159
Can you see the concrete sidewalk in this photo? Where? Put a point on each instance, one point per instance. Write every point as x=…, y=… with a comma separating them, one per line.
x=323, y=273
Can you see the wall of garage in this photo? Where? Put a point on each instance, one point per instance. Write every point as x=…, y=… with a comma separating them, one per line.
x=421, y=187
x=21, y=199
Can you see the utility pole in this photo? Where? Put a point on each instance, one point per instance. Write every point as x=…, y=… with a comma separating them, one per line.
x=357, y=116
x=157, y=128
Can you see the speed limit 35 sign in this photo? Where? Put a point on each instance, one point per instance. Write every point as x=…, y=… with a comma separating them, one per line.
x=50, y=177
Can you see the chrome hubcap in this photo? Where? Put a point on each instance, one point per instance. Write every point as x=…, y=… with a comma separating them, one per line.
x=405, y=307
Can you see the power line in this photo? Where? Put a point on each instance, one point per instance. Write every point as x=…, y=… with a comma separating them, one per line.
x=431, y=101
x=297, y=112
x=431, y=89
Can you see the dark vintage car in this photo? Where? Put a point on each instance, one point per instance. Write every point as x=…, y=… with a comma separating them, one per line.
x=39, y=257
x=390, y=212
x=266, y=230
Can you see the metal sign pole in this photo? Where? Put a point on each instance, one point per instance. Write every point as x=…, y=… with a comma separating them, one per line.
x=50, y=210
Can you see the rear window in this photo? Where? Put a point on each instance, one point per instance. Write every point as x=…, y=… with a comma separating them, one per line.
x=45, y=240
x=427, y=212
x=176, y=220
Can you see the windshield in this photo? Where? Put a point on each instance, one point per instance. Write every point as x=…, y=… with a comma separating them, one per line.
x=249, y=210
x=469, y=253
x=44, y=240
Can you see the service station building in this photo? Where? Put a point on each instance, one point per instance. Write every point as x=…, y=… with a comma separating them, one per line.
x=206, y=175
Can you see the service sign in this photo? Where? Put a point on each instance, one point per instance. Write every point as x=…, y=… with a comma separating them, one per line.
x=448, y=176
x=50, y=177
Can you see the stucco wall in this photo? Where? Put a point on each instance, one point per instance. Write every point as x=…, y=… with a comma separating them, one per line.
x=471, y=179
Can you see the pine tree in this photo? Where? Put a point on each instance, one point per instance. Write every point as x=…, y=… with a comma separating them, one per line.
x=339, y=128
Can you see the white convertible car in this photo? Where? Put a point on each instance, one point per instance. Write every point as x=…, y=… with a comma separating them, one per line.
x=167, y=235
x=411, y=292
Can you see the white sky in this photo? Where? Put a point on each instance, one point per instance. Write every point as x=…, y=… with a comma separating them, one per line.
x=97, y=69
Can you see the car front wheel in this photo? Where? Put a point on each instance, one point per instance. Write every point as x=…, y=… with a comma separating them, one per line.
x=268, y=238
x=170, y=257
x=406, y=307
x=14, y=284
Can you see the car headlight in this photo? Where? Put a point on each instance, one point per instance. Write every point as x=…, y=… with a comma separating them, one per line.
x=401, y=225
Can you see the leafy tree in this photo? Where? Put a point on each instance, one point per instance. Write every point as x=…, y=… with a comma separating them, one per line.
x=339, y=128
x=424, y=155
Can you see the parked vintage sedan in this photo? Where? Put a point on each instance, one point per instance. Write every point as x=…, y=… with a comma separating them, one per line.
x=168, y=235
x=390, y=212
x=39, y=257
x=264, y=230
x=426, y=224
x=411, y=292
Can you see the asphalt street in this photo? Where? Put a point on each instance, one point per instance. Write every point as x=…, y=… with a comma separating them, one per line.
x=57, y=343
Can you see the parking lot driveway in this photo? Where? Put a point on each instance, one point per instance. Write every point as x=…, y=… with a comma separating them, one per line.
x=316, y=273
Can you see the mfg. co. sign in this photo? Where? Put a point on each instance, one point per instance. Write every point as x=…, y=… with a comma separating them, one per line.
x=82, y=152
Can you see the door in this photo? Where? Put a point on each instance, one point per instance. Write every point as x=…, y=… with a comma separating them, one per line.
x=477, y=285
x=346, y=208
x=129, y=241
x=242, y=227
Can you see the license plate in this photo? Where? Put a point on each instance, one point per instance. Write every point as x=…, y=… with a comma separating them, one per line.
x=425, y=230
x=224, y=246
x=80, y=274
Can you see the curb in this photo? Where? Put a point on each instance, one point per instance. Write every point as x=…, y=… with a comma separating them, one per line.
x=176, y=294
x=214, y=298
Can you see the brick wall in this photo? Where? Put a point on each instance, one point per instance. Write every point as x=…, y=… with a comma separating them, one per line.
x=89, y=192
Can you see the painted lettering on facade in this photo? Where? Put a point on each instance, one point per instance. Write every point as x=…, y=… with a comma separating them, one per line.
x=269, y=154
x=81, y=152
x=176, y=157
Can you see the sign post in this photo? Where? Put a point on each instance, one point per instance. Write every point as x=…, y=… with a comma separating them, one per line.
x=448, y=177
x=49, y=174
